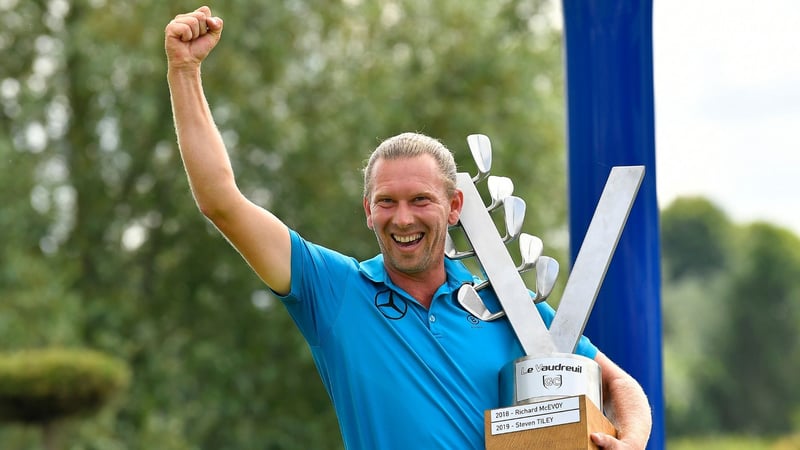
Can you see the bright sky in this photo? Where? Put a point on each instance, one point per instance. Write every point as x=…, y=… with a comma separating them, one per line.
x=727, y=92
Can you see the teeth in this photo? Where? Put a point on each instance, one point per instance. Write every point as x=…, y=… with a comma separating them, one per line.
x=407, y=239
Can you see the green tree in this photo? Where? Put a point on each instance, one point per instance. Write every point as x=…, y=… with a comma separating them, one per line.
x=695, y=237
x=696, y=245
x=758, y=344
x=730, y=321
x=693, y=314
x=104, y=247
x=45, y=387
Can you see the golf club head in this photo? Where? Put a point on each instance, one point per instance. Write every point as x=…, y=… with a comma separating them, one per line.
x=451, y=252
x=514, y=208
x=499, y=189
x=530, y=249
x=546, y=276
x=481, y=148
x=469, y=299
x=449, y=246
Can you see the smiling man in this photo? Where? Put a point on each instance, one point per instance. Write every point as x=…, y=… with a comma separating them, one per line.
x=409, y=203
x=405, y=366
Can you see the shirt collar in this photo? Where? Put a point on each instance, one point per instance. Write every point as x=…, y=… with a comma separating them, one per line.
x=457, y=272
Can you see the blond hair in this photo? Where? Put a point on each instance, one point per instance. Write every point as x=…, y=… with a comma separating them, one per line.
x=410, y=145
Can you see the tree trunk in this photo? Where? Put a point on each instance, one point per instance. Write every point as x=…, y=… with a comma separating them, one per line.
x=50, y=436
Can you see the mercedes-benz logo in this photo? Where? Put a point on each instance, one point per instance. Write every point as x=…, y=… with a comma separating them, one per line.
x=393, y=308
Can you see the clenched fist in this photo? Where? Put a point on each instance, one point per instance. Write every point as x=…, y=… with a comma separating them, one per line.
x=190, y=37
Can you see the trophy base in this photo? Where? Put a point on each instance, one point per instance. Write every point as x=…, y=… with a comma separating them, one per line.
x=560, y=424
x=533, y=379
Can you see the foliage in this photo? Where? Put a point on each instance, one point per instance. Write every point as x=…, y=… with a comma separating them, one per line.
x=692, y=312
x=104, y=247
x=43, y=385
x=735, y=442
x=758, y=343
x=695, y=238
x=730, y=327
x=732, y=442
x=788, y=442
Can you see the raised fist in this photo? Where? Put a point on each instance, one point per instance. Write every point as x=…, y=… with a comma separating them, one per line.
x=190, y=37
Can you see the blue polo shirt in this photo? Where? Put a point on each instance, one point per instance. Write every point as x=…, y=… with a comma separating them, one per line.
x=400, y=376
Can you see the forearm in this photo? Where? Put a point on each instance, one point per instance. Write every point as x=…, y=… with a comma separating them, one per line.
x=202, y=149
x=628, y=409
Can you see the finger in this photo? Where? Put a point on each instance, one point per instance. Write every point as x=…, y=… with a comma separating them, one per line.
x=193, y=21
x=205, y=10
x=209, y=25
x=204, y=19
x=179, y=29
x=214, y=24
x=190, y=26
x=197, y=20
x=602, y=440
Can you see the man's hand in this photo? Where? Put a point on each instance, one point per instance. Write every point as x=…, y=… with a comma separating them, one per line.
x=609, y=442
x=190, y=37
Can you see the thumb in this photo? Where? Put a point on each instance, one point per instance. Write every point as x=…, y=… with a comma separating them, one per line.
x=601, y=440
x=214, y=24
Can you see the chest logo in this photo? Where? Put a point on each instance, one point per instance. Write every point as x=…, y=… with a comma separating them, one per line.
x=391, y=306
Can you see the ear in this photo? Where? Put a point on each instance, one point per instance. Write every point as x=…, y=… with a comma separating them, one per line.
x=456, y=203
x=368, y=212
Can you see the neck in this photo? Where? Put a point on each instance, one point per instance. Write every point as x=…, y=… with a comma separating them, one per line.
x=422, y=286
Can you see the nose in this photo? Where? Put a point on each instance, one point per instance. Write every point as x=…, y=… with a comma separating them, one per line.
x=404, y=216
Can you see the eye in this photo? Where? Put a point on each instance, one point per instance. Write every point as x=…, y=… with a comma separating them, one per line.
x=421, y=200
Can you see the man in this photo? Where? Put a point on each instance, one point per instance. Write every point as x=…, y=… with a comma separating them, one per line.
x=404, y=365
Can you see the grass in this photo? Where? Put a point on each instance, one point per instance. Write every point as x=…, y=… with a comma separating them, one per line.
x=727, y=443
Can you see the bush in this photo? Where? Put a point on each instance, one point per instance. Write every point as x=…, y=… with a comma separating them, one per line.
x=40, y=386
x=788, y=442
x=720, y=442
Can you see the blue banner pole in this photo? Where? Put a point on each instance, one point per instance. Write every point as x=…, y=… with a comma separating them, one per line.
x=610, y=122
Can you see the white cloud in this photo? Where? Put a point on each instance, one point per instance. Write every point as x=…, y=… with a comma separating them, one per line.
x=727, y=86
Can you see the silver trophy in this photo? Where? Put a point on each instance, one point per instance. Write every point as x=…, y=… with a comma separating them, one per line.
x=549, y=370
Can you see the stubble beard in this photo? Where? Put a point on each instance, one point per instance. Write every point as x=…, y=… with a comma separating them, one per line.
x=421, y=261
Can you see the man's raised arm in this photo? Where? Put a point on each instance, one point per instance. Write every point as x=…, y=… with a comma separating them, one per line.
x=261, y=238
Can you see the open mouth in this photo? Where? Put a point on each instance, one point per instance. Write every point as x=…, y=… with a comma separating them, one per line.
x=407, y=241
